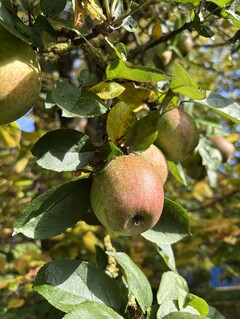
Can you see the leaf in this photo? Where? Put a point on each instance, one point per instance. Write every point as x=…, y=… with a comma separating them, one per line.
x=214, y=313
x=95, y=10
x=76, y=102
x=109, y=151
x=10, y=135
x=173, y=225
x=182, y=83
x=68, y=283
x=90, y=310
x=124, y=70
x=54, y=211
x=8, y=21
x=168, y=256
x=63, y=150
x=52, y=7
x=44, y=33
x=211, y=159
x=221, y=105
x=177, y=171
x=173, y=287
x=183, y=315
x=137, y=282
x=143, y=132
x=107, y=90
x=198, y=303
x=120, y=119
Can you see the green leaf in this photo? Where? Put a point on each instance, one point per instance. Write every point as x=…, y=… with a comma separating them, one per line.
x=177, y=171
x=76, y=102
x=109, y=151
x=44, y=33
x=183, y=315
x=221, y=105
x=87, y=78
x=124, y=70
x=52, y=7
x=220, y=3
x=9, y=21
x=108, y=90
x=173, y=225
x=173, y=287
x=137, y=282
x=63, y=150
x=143, y=133
x=119, y=49
x=68, y=283
x=182, y=83
x=90, y=310
x=54, y=211
x=168, y=256
x=214, y=313
x=211, y=159
x=194, y=2
x=198, y=303
x=167, y=307
x=120, y=119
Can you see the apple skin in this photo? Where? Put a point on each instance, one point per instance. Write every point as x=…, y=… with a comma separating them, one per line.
x=177, y=134
x=225, y=147
x=156, y=158
x=20, y=76
x=127, y=195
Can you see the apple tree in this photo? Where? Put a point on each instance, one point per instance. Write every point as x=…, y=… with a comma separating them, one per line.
x=136, y=114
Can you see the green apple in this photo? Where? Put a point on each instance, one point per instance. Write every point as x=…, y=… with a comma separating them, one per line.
x=20, y=76
x=127, y=195
x=177, y=134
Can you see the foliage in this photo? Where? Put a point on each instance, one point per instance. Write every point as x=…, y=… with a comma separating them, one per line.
x=106, y=81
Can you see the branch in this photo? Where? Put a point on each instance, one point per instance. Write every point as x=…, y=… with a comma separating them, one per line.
x=215, y=201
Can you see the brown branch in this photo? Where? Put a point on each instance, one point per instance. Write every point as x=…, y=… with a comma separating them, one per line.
x=215, y=201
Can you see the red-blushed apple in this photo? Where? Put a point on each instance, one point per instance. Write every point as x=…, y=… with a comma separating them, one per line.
x=127, y=195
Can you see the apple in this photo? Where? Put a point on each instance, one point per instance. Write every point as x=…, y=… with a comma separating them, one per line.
x=20, y=76
x=193, y=166
x=185, y=43
x=177, y=134
x=225, y=147
x=155, y=157
x=127, y=195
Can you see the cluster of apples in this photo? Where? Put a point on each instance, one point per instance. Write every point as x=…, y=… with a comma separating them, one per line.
x=127, y=196
x=20, y=76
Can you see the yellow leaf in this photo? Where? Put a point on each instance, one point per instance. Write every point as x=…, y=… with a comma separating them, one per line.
x=157, y=29
x=202, y=191
x=15, y=303
x=95, y=9
x=90, y=241
x=120, y=119
x=10, y=135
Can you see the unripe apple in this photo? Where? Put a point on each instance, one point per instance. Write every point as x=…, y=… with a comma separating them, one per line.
x=177, y=134
x=185, y=43
x=20, y=77
x=193, y=166
x=225, y=147
x=155, y=157
x=127, y=195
